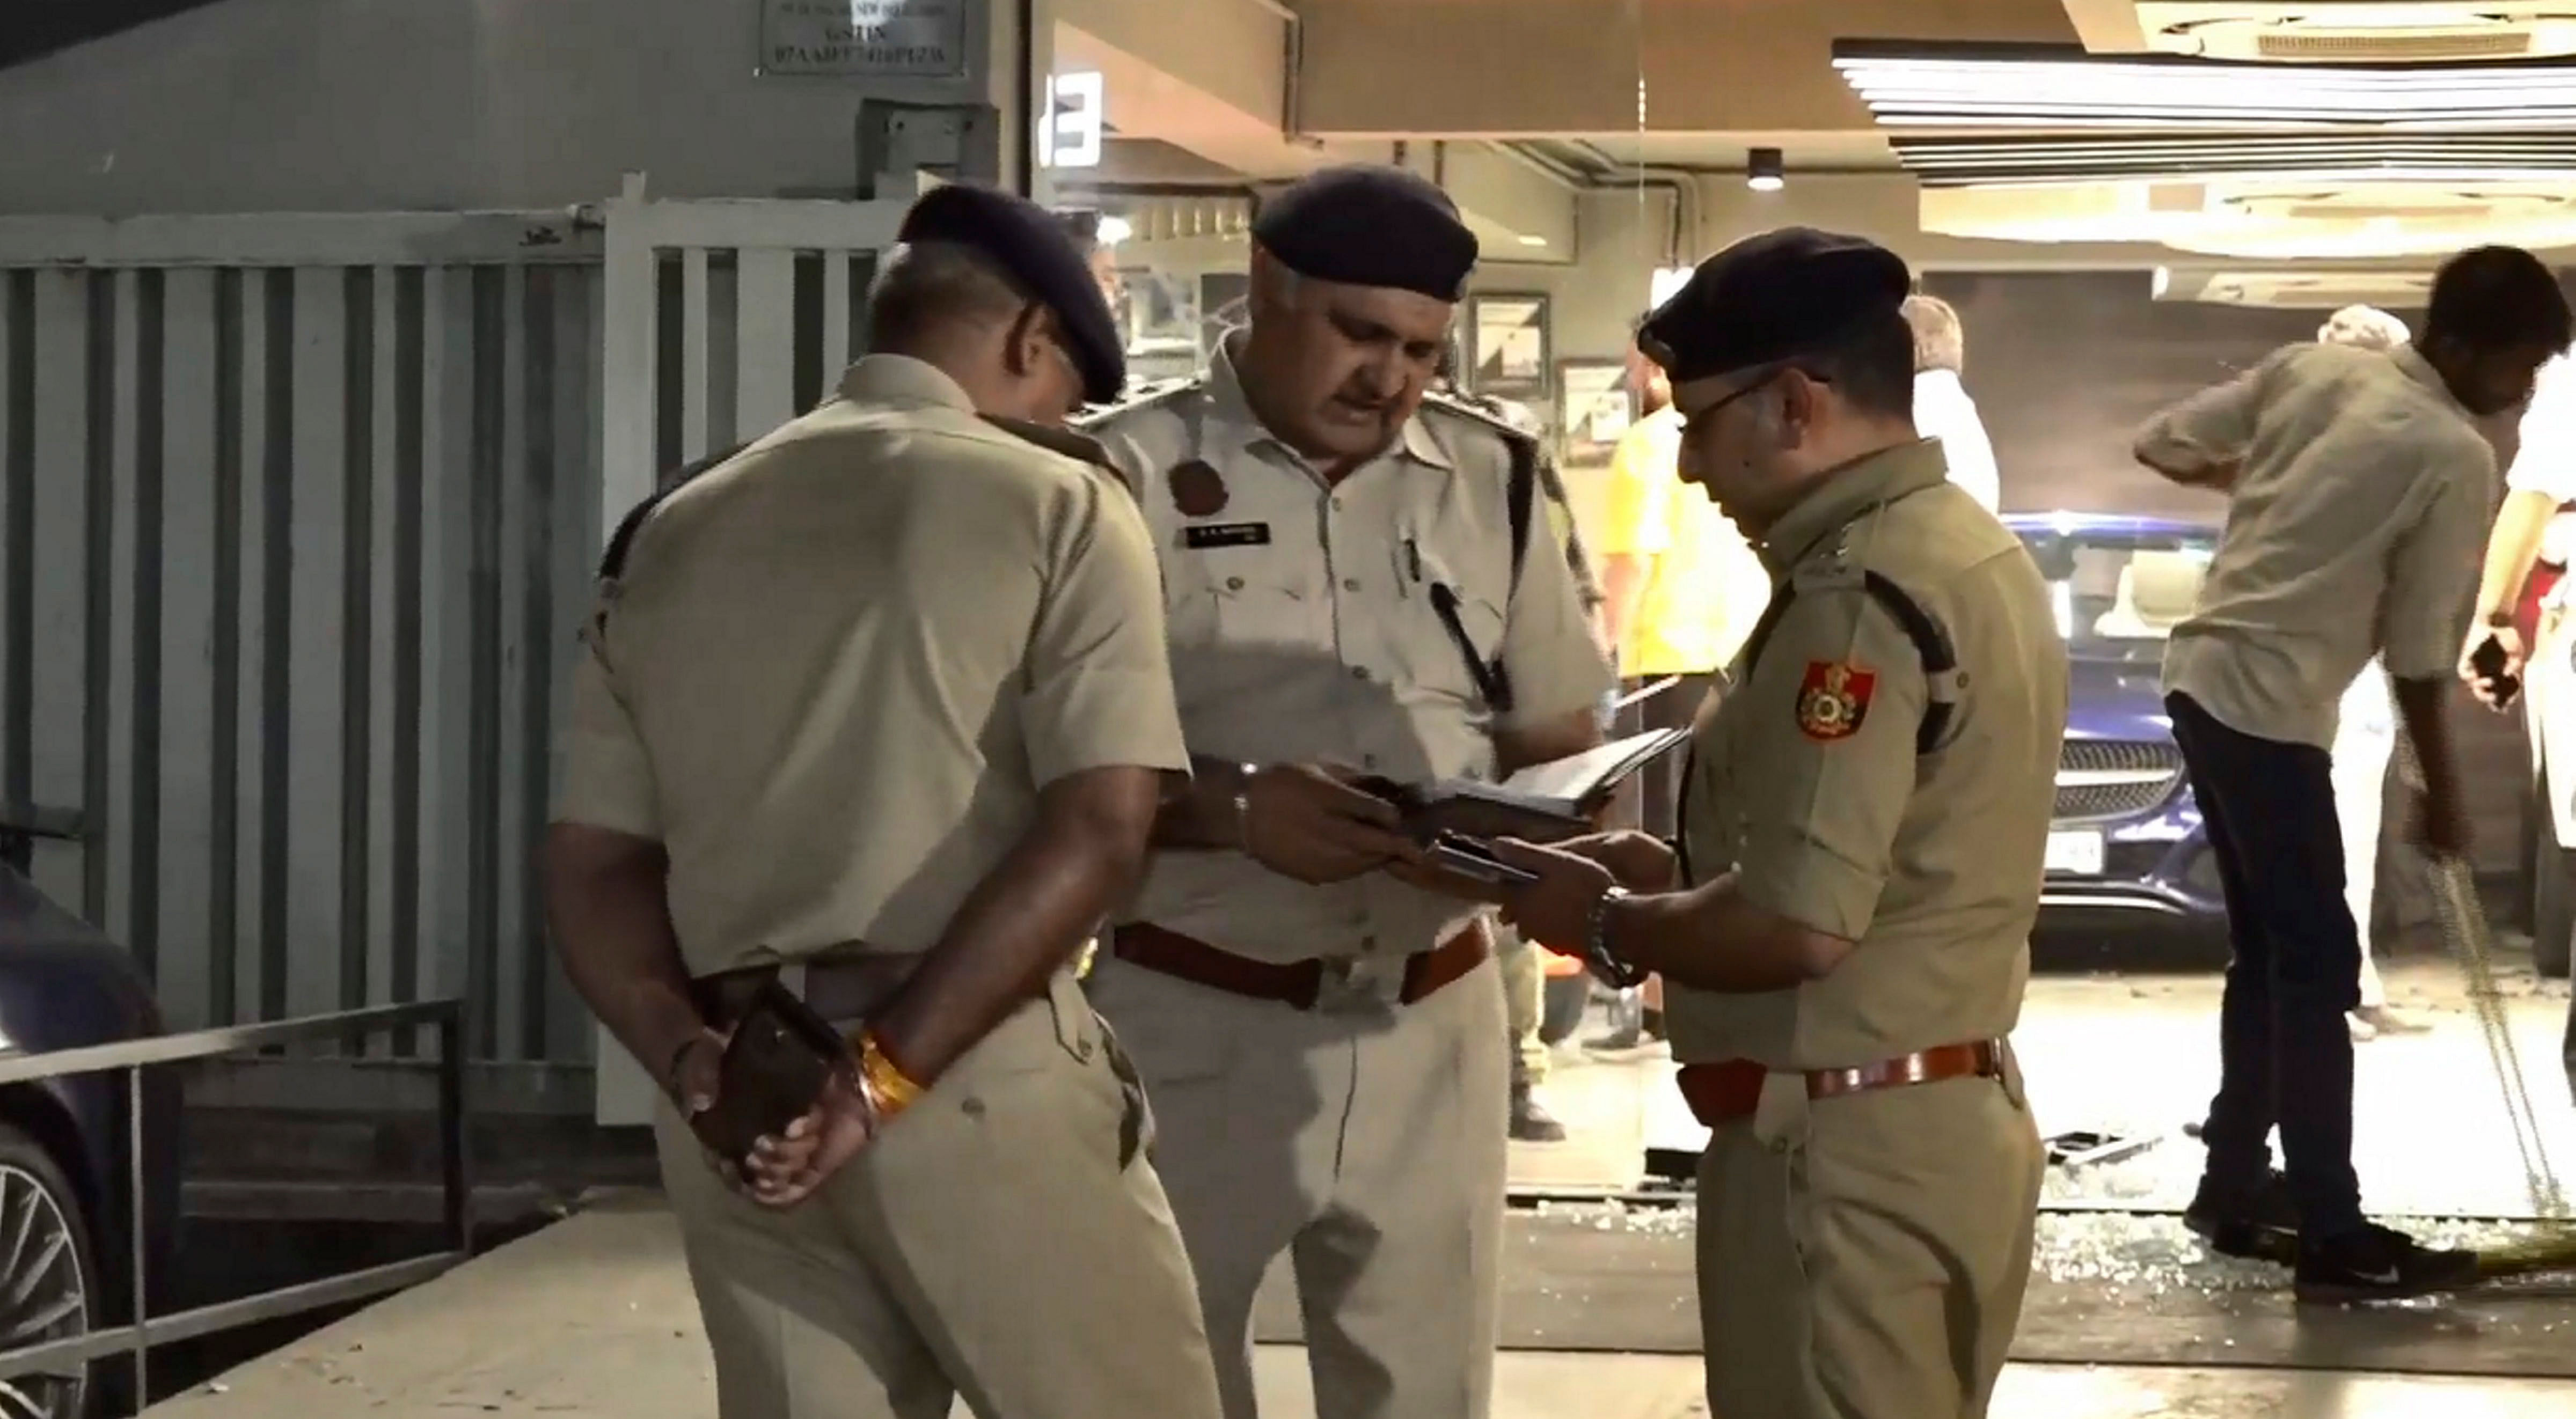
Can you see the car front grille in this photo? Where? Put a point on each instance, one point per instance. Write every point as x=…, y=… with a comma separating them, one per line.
x=2102, y=779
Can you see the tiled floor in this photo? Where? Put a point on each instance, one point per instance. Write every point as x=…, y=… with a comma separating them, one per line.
x=2139, y=1055
x=593, y=1318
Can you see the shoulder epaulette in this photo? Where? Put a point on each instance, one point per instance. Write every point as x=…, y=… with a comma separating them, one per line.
x=1072, y=443
x=1478, y=414
x=613, y=562
x=1144, y=396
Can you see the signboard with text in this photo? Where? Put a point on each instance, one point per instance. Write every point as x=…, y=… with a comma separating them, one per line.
x=864, y=39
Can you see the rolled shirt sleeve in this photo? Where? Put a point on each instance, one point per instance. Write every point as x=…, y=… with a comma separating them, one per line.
x=1557, y=667
x=2433, y=569
x=607, y=776
x=2215, y=425
x=1836, y=700
x=1097, y=686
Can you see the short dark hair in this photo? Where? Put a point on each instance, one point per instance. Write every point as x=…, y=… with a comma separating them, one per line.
x=1872, y=367
x=2498, y=298
x=927, y=288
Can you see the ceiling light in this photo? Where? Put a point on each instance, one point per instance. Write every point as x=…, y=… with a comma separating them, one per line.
x=2059, y=86
x=1764, y=171
x=1667, y=283
x=1114, y=230
x=1527, y=240
x=2359, y=156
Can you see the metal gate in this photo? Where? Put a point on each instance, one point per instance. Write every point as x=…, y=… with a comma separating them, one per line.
x=723, y=320
x=297, y=516
x=292, y=509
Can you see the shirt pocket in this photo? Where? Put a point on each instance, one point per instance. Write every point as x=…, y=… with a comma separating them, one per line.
x=1242, y=598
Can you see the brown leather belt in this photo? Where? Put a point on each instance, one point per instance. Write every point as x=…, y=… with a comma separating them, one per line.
x=839, y=988
x=1727, y=1092
x=1296, y=983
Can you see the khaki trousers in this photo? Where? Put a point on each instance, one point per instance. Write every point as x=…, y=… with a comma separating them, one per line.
x=1365, y=1140
x=1524, y=969
x=1866, y=1257
x=1005, y=1241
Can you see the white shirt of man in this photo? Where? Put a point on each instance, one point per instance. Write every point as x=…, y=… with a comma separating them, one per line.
x=2355, y=527
x=1943, y=410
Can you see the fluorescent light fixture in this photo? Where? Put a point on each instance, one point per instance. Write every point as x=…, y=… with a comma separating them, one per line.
x=1114, y=230
x=1528, y=240
x=2358, y=156
x=2059, y=86
x=1666, y=283
x=1764, y=171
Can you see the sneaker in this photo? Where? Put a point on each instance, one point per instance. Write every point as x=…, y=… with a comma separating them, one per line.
x=1532, y=1123
x=2259, y=1226
x=2379, y=1264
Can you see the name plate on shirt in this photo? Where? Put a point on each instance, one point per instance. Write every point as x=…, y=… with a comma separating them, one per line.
x=1226, y=534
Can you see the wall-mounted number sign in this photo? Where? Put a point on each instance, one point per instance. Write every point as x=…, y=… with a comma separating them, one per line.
x=1069, y=134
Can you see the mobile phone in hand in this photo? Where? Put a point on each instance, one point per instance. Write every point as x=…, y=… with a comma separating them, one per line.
x=2489, y=661
x=1474, y=858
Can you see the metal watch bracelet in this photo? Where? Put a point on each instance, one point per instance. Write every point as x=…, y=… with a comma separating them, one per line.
x=1596, y=942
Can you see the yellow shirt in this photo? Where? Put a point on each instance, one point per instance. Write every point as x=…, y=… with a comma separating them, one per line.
x=1706, y=588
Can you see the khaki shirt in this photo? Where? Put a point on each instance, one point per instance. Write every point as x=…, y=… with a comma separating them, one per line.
x=838, y=669
x=2356, y=528
x=1807, y=781
x=1302, y=630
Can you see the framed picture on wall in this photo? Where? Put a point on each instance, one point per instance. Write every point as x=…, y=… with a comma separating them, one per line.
x=1595, y=407
x=1508, y=343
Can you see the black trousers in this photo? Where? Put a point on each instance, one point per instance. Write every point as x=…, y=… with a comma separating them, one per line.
x=2285, y=1053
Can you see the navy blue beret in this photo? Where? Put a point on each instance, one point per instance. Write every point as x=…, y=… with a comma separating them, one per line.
x=1771, y=298
x=1366, y=225
x=1035, y=247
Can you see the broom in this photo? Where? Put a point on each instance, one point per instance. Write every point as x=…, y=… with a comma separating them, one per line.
x=2552, y=1247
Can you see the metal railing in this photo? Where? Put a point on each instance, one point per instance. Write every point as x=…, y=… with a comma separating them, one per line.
x=145, y=1330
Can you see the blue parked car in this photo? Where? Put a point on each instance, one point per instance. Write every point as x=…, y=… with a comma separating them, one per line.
x=2127, y=846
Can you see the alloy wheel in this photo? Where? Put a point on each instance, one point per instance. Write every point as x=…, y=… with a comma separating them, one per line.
x=44, y=1295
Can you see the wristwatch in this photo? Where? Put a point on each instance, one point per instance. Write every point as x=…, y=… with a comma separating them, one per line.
x=1597, y=955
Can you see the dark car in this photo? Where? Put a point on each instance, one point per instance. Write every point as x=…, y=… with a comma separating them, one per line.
x=66, y=1208
x=2126, y=846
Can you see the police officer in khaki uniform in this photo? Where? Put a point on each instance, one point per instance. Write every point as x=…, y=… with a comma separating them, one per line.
x=1358, y=584
x=880, y=709
x=1844, y=938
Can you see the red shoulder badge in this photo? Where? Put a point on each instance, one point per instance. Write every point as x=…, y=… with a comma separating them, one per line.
x=1834, y=699
x=1198, y=490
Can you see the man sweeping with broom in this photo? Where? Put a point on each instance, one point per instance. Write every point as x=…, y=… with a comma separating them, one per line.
x=2359, y=492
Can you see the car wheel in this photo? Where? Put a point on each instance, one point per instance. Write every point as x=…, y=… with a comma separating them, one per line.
x=1566, y=999
x=49, y=1290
